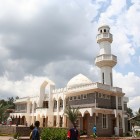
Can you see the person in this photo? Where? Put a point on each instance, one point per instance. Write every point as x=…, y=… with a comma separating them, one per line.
x=133, y=131
x=31, y=128
x=94, y=131
x=116, y=130
x=35, y=132
x=73, y=133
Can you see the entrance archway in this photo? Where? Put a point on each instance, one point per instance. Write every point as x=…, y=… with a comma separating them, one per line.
x=85, y=121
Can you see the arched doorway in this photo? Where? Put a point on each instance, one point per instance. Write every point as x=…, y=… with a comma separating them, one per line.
x=86, y=122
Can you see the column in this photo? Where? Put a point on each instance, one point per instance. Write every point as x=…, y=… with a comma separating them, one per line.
x=64, y=104
x=58, y=117
x=117, y=123
x=41, y=121
x=28, y=107
x=58, y=121
x=64, y=121
x=123, y=123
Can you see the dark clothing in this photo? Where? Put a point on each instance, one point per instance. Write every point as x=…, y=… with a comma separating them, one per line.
x=73, y=134
x=35, y=134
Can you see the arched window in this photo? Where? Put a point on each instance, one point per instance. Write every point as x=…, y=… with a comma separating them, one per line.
x=104, y=30
x=61, y=103
x=55, y=104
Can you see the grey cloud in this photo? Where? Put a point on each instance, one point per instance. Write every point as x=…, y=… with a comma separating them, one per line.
x=57, y=33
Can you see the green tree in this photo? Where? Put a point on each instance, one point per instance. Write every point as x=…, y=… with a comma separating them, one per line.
x=72, y=113
x=4, y=106
x=16, y=97
x=138, y=112
x=130, y=112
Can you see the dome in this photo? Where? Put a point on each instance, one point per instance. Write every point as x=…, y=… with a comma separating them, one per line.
x=78, y=80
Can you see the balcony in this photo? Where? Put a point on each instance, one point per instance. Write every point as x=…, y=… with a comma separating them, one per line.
x=106, y=60
x=20, y=111
x=92, y=87
x=42, y=110
x=104, y=37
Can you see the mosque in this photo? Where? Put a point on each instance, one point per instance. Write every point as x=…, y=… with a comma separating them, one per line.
x=100, y=104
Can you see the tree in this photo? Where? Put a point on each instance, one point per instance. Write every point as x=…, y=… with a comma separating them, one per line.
x=130, y=112
x=138, y=112
x=72, y=113
x=4, y=106
x=17, y=97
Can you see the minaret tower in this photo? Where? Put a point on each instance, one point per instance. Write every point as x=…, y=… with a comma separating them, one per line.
x=105, y=60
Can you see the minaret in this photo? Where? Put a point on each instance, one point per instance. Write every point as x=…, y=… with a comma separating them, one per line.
x=105, y=60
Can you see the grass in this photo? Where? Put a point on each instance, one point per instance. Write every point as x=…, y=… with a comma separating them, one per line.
x=5, y=134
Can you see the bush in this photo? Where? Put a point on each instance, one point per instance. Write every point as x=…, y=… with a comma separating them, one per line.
x=54, y=134
x=16, y=136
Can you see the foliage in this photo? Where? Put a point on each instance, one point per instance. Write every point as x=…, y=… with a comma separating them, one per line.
x=16, y=136
x=54, y=134
x=138, y=113
x=130, y=112
x=94, y=136
x=4, y=105
x=72, y=113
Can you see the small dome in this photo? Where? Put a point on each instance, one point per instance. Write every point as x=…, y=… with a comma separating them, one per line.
x=78, y=80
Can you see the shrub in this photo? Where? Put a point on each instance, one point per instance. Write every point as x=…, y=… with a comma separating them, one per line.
x=16, y=136
x=54, y=134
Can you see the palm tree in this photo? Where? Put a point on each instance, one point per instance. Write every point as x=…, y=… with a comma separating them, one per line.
x=72, y=113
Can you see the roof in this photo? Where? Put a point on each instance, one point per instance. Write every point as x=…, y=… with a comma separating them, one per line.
x=78, y=80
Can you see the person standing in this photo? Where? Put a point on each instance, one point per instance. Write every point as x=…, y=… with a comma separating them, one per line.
x=73, y=133
x=133, y=131
x=94, y=129
x=35, y=132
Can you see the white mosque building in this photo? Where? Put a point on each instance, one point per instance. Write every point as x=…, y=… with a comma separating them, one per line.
x=100, y=103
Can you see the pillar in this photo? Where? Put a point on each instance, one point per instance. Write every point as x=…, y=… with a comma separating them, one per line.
x=64, y=121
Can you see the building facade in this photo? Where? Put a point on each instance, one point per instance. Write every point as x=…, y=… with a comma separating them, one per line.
x=100, y=103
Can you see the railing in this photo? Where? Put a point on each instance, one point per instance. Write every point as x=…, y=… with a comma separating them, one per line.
x=106, y=57
x=24, y=99
x=85, y=105
x=20, y=111
x=104, y=35
x=94, y=86
x=41, y=110
x=88, y=87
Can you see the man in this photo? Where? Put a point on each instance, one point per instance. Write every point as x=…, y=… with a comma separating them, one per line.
x=73, y=133
x=35, y=132
x=94, y=131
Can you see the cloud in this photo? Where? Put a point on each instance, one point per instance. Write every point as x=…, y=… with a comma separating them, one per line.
x=130, y=86
x=29, y=86
x=55, y=33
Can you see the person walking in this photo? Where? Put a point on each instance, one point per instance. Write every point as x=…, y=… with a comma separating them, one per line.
x=35, y=132
x=73, y=133
x=94, y=129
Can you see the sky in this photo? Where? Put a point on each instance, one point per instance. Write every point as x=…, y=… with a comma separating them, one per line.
x=51, y=39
